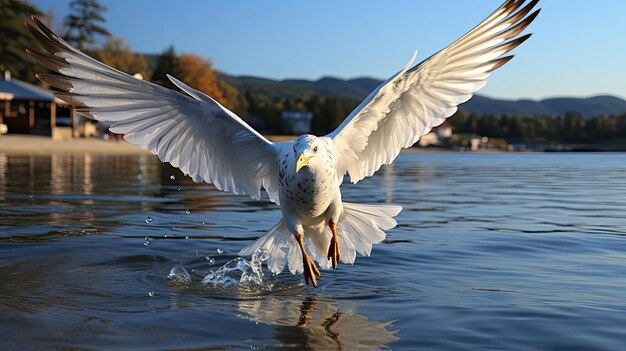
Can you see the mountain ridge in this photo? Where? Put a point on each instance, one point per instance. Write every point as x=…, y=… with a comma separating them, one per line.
x=359, y=88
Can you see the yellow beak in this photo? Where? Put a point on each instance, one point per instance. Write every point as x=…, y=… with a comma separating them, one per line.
x=302, y=161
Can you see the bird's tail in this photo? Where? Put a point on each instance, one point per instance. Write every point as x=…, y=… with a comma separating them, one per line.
x=360, y=227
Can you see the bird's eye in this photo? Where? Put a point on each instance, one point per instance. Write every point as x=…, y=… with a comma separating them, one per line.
x=315, y=149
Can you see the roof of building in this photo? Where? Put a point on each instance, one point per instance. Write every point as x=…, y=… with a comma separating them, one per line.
x=25, y=91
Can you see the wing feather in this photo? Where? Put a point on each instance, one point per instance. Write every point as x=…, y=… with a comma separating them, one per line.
x=194, y=133
x=413, y=101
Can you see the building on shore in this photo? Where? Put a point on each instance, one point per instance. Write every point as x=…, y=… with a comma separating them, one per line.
x=438, y=136
x=445, y=138
x=297, y=122
x=28, y=109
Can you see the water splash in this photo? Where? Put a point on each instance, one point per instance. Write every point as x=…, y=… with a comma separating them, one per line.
x=239, y=271
x=179, y=275
x=172, y=177
x=220, y=250
x=146, y=241
x=148, y=220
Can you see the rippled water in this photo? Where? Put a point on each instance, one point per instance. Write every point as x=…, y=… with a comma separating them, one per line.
x=492, y=251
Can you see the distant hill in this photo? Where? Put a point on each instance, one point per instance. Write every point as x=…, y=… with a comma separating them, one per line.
x=294, y=88
x=359, y=88
x=588, y=107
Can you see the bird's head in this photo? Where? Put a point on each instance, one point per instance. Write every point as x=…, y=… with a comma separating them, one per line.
x=305, y=148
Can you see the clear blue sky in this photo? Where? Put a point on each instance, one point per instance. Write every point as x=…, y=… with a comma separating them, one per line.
x=578, y=49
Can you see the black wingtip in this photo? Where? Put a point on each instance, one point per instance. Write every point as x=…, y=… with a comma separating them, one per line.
x=37, y=21
x=497, y=63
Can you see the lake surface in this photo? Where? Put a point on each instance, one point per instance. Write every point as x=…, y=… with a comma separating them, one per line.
x=492, y=251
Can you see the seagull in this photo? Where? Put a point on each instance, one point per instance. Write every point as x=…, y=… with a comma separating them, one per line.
x=195, y=133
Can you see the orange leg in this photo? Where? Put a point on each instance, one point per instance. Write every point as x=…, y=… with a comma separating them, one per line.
x=333, y=250
x=310, y=270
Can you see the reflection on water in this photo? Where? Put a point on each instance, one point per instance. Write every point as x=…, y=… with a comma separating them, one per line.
x=315, y=324
x=492, y=251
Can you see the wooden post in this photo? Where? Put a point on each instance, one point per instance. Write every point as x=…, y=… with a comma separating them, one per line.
x=53, y=117
x=73, y=120
x=31, y=115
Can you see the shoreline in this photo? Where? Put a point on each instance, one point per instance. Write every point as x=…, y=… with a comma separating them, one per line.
x=22, y=144
x=44, y=145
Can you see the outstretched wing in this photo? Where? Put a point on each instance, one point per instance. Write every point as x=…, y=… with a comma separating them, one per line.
x=196, y=134
x=413, y=101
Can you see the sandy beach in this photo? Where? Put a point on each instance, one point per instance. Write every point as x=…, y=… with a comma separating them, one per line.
x=35, y=144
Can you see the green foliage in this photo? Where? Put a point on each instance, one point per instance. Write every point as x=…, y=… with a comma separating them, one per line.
x=235, y=101
x=83, y=23
x=14, y=39
x=570, y=128
x=167, y=63
x=328, y=112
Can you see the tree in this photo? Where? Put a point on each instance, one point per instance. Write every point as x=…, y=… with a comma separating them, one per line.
x=196, y=72
x=167, y=63
x=235, y=101
x=14, y=38
x=328, y=112
x=82, y=23
x=574, y=124
x=116, y=53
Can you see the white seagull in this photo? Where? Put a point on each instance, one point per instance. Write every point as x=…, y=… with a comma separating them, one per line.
x=193, y=132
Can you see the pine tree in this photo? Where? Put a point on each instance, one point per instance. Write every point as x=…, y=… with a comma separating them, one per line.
x=14, y=38
x=167, y=63
x=83, y=23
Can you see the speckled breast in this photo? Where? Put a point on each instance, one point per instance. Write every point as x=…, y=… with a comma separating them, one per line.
x=309, y=192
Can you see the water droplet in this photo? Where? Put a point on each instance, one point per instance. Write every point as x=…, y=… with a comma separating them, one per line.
x=211, y=260
x=172, y=177
x=146, y=241
x=220, y=250
x=203, y=223
x=151, y=293
x=148, y=219
x=187, y=211
x=179, y=275
x=139, y=177
x=186, y=236
x=165, y=235
x=179, y=189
